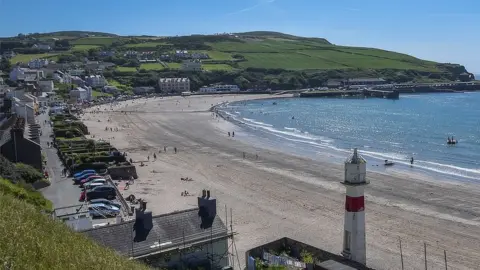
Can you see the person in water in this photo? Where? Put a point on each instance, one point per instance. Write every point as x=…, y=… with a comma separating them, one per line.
x=411, y=161
x=449, y=139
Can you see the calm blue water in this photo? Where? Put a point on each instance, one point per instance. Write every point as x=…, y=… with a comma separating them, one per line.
x=414, y=125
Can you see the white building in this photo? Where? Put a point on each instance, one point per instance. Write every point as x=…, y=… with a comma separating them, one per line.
x=19, y=73
x=23, y=104
x=191, y=65
x=354, y=243
x=43, y=47
x=46, y=86
x=177, y=85
x=38, y=63
x=43, y=99
x=81, y=94
x=95, y=81
x=219, y=88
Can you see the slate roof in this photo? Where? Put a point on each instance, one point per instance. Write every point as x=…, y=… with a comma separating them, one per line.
x=169, y=231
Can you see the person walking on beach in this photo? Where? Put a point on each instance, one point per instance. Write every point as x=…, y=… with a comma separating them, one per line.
x=148, y=158
x=243, y=155
x=154, y=156
x=175, y=149
x=411, y=161
x=165, y=149
x=229, y=134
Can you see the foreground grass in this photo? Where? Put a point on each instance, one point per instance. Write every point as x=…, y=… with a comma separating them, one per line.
x=32, y=240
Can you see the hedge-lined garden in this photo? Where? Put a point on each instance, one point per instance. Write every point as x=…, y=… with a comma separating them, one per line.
x=77, y=152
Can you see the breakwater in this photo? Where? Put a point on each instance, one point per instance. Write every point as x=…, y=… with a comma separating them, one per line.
x=365, y=93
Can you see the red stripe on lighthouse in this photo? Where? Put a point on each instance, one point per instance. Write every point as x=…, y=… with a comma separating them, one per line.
x=354, y=204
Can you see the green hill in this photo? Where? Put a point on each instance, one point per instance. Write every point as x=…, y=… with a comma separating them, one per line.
x=30, y=239
x=272, y=50
x=260, y=58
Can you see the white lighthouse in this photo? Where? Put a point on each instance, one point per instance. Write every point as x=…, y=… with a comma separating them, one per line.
x=354, y=245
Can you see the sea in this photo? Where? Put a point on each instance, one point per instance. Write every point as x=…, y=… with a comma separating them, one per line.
x=416, y=125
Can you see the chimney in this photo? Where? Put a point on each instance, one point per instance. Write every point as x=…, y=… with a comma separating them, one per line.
x=207, y=209
x=143, y=222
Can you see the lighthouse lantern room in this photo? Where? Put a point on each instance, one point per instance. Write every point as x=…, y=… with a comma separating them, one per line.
x=354, y=245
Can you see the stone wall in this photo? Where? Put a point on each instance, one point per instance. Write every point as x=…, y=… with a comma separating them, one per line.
x=122, y=172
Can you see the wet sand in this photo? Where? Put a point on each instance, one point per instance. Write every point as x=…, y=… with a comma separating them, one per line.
x=281, y=195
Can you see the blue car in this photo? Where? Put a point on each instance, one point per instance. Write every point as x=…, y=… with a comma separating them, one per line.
x=83, y=172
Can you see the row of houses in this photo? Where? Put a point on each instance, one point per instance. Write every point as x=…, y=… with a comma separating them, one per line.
x=184, y=54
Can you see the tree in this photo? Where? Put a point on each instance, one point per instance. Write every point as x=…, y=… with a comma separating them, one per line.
x=5, y=65
x=64, y=43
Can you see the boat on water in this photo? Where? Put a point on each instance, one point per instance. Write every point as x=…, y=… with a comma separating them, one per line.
x=451, y=141
x=388, y=163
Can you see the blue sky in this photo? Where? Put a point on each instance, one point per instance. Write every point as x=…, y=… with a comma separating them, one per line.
x=439, y=30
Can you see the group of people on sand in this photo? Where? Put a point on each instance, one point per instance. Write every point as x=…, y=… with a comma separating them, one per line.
x=111, y=129
x=232, y=134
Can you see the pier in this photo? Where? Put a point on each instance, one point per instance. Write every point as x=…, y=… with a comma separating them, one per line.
x=346, y=93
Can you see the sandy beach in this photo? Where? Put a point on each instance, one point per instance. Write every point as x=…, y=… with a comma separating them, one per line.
x=280, y=195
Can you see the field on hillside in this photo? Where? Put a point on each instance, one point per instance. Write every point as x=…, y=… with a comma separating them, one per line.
x=27, y=57
x=152, y=45
x=127, y=69
x=84, y=47
x=210, y=67
x=174, y=65
x=298, y=55
x=100, y=41
x=152, y=66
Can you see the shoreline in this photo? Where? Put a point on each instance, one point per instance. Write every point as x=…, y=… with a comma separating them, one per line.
x=286, y=195
x=375, y=159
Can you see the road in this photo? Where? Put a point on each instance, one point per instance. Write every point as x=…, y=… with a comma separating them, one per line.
x=61, y=191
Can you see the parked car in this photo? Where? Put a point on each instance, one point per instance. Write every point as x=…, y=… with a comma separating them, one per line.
x=90, y=179
x=103, y=210
x=101, y=192
x=77, y=180
x=105, y=201
x=83, y=172
x=90, y=186
x=103, y=181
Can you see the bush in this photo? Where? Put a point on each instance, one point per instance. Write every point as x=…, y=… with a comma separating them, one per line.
x=8, y=170
x=28, y=174
x=25, y=193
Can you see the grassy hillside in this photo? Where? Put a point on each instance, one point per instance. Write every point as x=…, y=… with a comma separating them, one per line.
x=32, y=240
x=271, y=50
x=274, y=60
